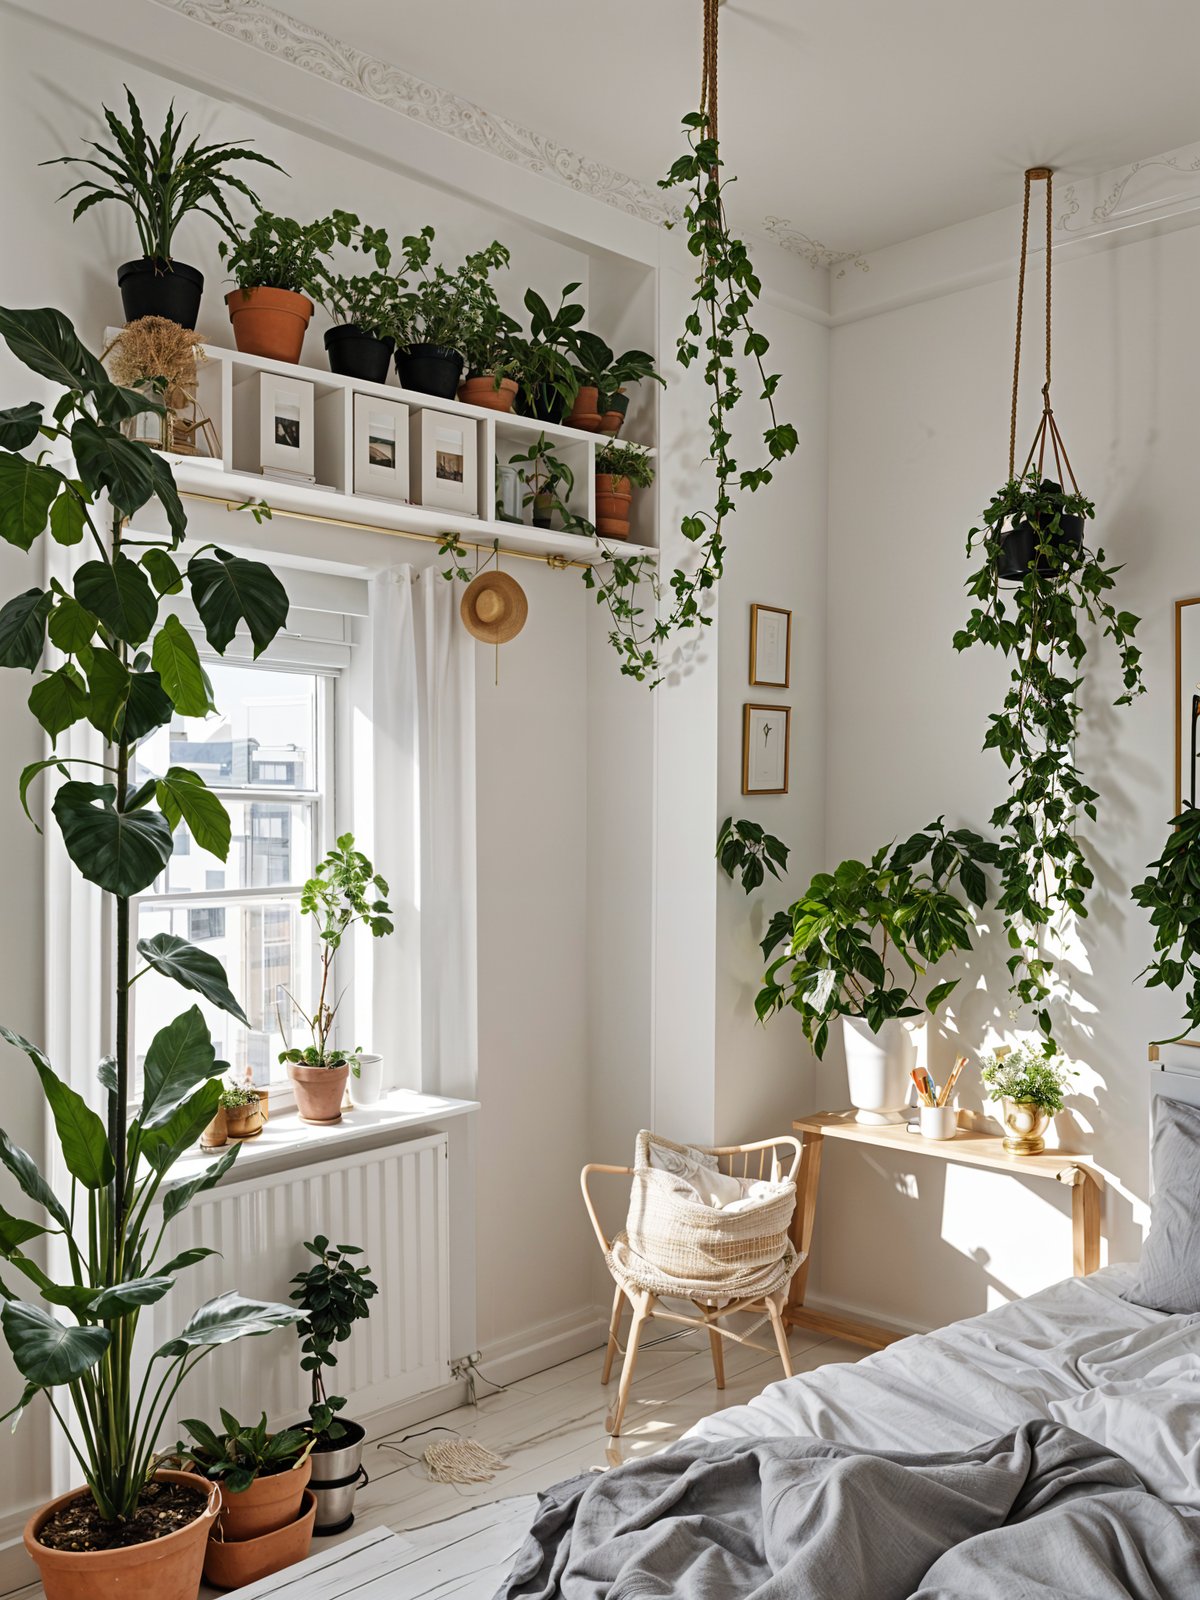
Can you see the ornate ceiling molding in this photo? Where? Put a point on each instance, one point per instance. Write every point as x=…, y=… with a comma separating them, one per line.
x=274, y=32
x=788, y=237
x=1112, y=199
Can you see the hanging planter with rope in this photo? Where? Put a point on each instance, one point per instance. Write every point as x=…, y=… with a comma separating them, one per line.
x=1038, y=584
x=717, y=332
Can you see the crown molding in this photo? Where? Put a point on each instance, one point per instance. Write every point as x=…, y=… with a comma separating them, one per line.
x=265, y=28
x=783, y=232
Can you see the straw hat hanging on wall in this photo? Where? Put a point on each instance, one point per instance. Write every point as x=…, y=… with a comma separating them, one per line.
x=494, y=607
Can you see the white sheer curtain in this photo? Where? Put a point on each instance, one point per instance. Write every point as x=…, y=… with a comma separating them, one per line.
x=422, y=737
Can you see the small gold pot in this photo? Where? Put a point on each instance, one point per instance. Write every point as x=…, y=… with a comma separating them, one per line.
x=1025, y=1125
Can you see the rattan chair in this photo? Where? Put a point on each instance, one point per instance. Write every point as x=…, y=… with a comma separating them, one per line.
x=643, y=1285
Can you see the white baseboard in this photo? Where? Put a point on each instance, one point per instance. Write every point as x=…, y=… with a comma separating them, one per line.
x=17, y=1571
x=546, y=1344
x=861, y=1313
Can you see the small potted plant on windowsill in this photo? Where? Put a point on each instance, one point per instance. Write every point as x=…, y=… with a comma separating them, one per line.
x=277, y=265
x=243, y=1113
x=620, y=468
x=362, y=309
x=841, y=939
x=263, y=1524
x=345, y=891
x=1030, y=1086
x=162, y=182
x=333, y=1294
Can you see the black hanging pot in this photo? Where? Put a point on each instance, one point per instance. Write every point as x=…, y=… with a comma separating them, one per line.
x=154, y=288
x=355, y=353
x=430, y=369
x=1019, y=544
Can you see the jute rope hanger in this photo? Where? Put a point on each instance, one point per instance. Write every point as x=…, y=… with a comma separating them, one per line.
x=1047, y=428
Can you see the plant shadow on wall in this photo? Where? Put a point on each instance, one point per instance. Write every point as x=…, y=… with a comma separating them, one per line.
x=127, y=674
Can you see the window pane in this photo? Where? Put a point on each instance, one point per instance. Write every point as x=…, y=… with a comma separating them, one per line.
x=264, y=737
x=263, y=946
x=272, y=843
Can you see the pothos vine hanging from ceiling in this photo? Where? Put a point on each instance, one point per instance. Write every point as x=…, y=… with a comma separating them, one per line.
x=1032, y=539
x=717, y=330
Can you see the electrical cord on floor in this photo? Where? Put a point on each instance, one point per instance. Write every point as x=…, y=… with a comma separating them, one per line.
x=456, y=1461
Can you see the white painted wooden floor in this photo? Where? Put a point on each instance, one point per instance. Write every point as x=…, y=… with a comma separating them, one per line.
x=459, y=1539
x=456, y=1542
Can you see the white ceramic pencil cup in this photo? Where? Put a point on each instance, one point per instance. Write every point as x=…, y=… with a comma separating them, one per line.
x=938, y=1122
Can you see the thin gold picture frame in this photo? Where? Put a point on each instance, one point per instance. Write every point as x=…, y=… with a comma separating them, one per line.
x=747, y=716
x=770, y=683
x=1180, y=606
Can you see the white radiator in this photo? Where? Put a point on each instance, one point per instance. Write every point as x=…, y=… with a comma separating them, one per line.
x=393, y=1202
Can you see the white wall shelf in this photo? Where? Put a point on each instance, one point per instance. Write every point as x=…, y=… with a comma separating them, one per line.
x=226, y=483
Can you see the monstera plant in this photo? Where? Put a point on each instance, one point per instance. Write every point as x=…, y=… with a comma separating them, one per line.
x=119, y=667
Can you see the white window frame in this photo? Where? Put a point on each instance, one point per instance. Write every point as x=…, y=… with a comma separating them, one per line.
x=323, y=798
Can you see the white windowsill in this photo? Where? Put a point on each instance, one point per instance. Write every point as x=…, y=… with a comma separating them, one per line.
x=287, y=1142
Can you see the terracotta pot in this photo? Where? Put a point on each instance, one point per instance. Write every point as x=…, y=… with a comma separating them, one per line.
x=585, y=413
x=482, y=391
x=268, y=1504
x=229, y=1564
x=244, y=1122
x=319, y=1091
x=216, y=1134
x=269, y=322
x=264, y=1104
x=614, y=496
x=168, y=1568
x=611, y=422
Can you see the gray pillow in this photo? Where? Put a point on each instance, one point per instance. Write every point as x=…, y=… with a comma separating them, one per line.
x=1168, y=1276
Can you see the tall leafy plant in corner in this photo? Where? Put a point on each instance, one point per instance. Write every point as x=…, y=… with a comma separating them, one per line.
x=127, y=673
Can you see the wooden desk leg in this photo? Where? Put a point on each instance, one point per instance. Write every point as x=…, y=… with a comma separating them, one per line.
x=805, y=1213
x=1085, y=1224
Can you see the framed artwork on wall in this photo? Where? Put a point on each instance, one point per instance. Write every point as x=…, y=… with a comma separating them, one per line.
x=766, y=736
x=770, y=647
x=285, y=425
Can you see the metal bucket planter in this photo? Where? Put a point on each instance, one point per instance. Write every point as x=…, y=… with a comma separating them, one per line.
x=336, y=1477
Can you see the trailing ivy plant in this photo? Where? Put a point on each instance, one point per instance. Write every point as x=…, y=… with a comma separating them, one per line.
x=1172, y=897
x=128, y=673
x=1037, y=627
x=745, y=847
x=717, y=331
x=859, y=939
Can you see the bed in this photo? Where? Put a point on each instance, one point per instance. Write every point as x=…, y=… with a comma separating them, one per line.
x=1050, y=1447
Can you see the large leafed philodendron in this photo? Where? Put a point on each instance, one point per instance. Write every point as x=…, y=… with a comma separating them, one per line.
x=127, y=673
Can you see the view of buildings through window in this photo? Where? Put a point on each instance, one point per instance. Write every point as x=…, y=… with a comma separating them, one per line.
x=265, y=754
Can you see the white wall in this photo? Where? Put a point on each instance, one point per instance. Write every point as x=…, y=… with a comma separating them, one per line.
x=919, y=411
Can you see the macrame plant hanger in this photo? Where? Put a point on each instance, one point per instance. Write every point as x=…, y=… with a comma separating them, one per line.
x=1047, y=429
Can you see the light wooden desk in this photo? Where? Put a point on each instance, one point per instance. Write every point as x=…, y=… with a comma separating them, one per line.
x=967, y=1148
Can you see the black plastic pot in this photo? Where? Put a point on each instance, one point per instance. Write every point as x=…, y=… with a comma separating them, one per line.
x=430, y=369
x=545, y=405
x=354, y=353
x=151, y=288
x=617, y=401
x=1018, y=547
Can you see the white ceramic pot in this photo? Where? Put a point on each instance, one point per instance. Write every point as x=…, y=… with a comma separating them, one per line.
x=877, y=1069
x=366, y=1086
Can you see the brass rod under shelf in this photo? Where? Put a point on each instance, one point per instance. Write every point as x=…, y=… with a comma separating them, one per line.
x=552, y=558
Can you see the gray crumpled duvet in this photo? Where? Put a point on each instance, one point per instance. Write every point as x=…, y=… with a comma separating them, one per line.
x=1042, y=1512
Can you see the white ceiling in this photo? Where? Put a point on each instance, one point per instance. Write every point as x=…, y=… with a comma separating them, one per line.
x=861, y=122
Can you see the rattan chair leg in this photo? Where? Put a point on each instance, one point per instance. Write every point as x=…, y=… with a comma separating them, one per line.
x=775, y=1308
x=614, y=1330
x=642, y=1308
x=717, y=1345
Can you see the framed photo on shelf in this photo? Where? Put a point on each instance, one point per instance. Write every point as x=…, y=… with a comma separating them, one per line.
x=766, y=735
x=380, y=447
x=444, y=461
x=285, y=424
x=770, y=647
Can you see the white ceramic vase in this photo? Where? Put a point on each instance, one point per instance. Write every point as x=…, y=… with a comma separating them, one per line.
x=877, y=1069
x=366, y=1086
